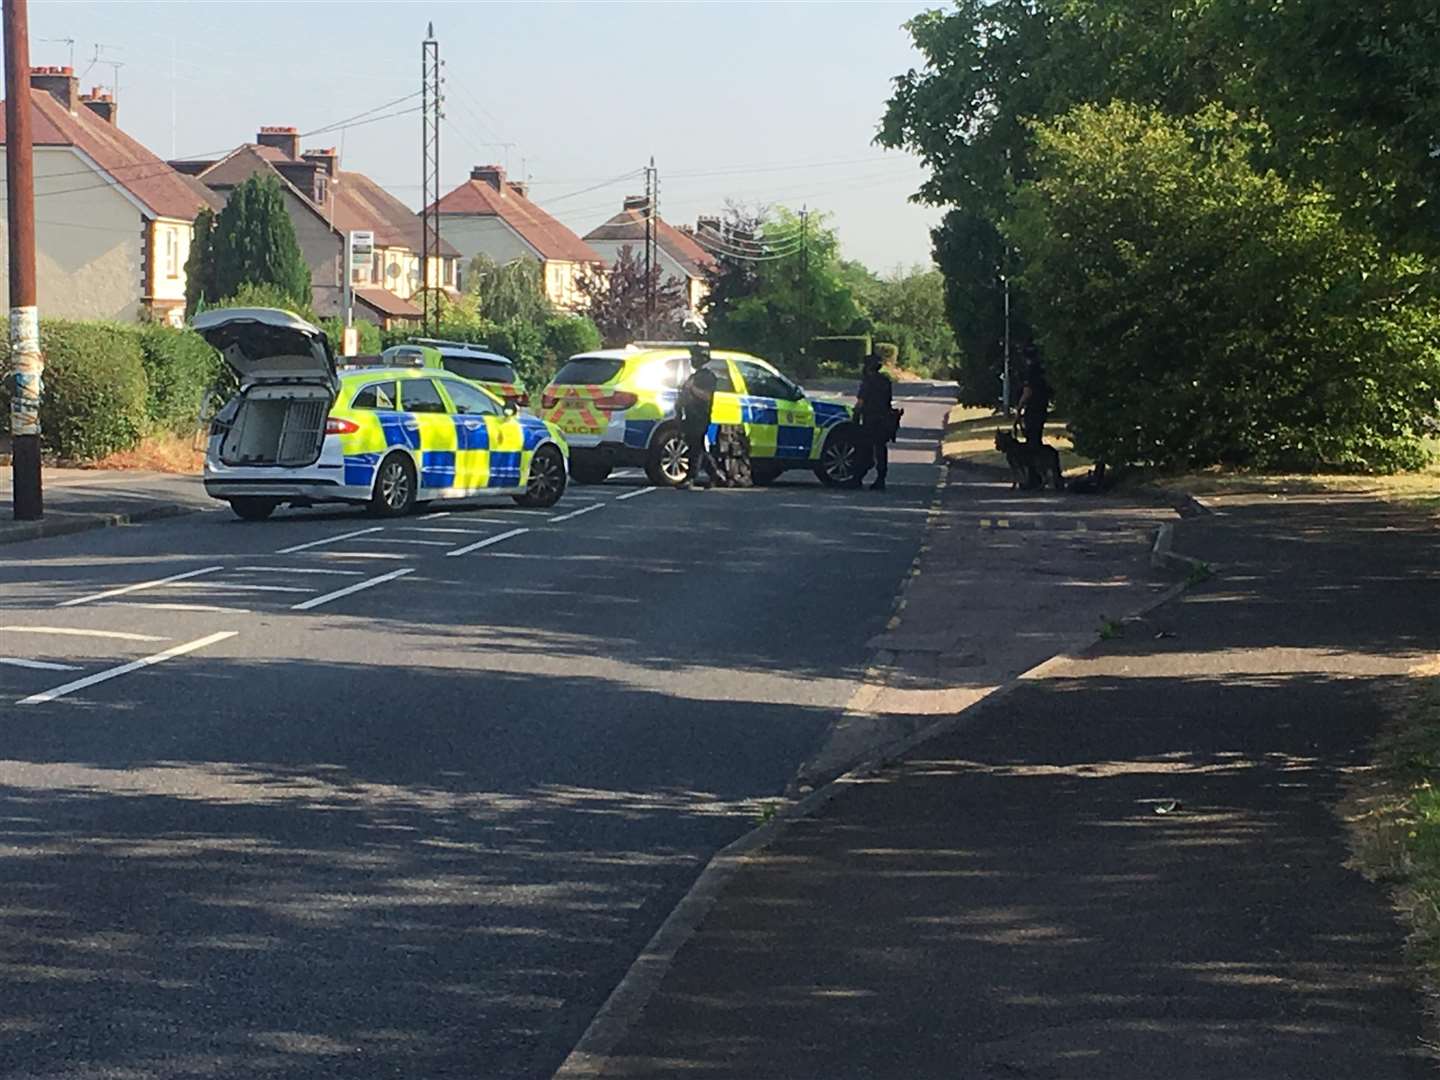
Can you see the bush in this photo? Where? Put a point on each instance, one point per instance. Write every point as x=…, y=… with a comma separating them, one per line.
x=179, y=368
x=846, y=352
x=369, y=343
x=566, y=335
x=94, y=399
x=266, y=296
x=889, y=353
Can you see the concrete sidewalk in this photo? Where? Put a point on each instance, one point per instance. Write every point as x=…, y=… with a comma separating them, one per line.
x=80, y=499
x=1127, y=867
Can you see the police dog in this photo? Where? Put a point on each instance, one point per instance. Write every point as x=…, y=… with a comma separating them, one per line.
x=1026, y=461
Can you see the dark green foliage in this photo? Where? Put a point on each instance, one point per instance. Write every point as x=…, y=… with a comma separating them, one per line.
x=1200, y=311
x=179, y=368
x=369, y=343
x=200, y=288
x=566, y=335
x=888, y=352
x=617, y=301
x=846, y=351
x=254, y=244
x=267, y=296
x=515, y=290
x=94, y=401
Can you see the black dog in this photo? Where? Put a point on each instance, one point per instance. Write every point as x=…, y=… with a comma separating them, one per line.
x=1027, y=461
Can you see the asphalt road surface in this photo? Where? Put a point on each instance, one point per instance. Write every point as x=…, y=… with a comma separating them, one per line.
x=329, y=796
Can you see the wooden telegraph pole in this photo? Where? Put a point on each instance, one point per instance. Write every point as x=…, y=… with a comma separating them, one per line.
x=27, y=363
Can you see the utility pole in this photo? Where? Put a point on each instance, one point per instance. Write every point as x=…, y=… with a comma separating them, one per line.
x=651, y=198
x=29, y=364
x=431, y=115
x=1005, y=375
x=804, y=279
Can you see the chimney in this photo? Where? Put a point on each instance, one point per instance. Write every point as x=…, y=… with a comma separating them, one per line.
x=521, y=188
x=284, y=139
x=60, y=83
x=326, y=159
x=494, y=175
x=101, y=103
x=637, y=202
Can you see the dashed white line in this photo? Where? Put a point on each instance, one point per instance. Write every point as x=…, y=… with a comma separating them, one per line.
x=181, y=607
x=460, y=532
x=329, y=540
x=38, y=665
x=633, y=494
x=486, y=542
x=577, y=513
x=125, y=669
x=137, y=587
x=368, y=583
x=69, y=631
x=235, y=586
x=361, y=555
x=402, y=540
x=301, y=570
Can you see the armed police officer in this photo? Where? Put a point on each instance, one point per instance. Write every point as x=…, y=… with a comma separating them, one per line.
x=873, y=406
x=692, y=408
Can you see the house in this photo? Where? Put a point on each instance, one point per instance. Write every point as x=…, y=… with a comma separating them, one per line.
x=492, y=216
x=112, y=221
x=325, y=203
x=681, y=258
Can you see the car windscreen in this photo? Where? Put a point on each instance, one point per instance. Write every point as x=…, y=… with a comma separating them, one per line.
x=480, y=369
x=588, y=371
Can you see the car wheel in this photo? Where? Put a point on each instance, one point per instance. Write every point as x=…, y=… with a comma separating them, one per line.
x=253, y=508
x=589, y=468
x=394, y=492
x=839, y=459
x=668, y=463
x=764, y=472
x=547, y=479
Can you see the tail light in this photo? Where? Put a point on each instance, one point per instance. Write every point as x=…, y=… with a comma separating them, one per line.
x=336, y=426
x=522, y=399
x=548, y=400
x=620, y=399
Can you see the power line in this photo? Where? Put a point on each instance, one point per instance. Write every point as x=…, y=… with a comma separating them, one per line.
x=341, y=123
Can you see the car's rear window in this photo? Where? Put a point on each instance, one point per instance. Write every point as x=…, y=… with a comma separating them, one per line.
x=480, y=369
x=588, y=371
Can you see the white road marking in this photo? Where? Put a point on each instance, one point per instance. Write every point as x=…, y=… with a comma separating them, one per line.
x=301, y=570
x=180, y=607
x=461, y=532
x=625, y=474
x=368, y=583
x=486, y=542
x=329, y=540
x=38, y=665
x=235, y=586
x=119, y=635
x=438, y=514
x=402, y=540
x=137, y=587
x=125, y=669
x=577, y=513
x=361, y=555
x=632, y=494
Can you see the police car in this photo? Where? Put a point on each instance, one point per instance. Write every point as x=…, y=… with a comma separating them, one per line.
x=301, y=431
x=617, y=407
x=474, y=362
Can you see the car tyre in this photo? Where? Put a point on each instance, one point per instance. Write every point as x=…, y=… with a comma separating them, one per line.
x=668, y=462
x=253, y=507
x=839, y=459
x=547, y=479
x=394, y=493
x=589, y=468
x=764, y=473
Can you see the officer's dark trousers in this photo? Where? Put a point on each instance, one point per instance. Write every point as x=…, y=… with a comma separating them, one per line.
x=700, y=456
x=876, y=436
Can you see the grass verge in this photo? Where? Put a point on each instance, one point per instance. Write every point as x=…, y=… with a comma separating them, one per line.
x=970, y=437
x=158, y=453
x=1393, y=815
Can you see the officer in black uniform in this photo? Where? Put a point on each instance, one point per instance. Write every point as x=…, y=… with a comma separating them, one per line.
x=693, y=406
x=873, y=402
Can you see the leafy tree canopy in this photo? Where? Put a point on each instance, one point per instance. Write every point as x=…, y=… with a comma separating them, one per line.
x=254, y=244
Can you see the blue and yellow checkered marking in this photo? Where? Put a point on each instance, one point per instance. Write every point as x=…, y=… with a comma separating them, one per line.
x=437, y=468
x=792, y=442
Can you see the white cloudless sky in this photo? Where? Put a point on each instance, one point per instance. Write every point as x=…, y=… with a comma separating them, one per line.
x=758, y=102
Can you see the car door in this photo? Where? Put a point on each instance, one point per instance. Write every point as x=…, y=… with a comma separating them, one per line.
x=502, y=464
x=424, y=411
x=778, y=419
x=470, y=411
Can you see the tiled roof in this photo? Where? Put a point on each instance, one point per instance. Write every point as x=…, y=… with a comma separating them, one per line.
x=628, y=226
x=542, y=232
x=162, y=190
x=387, y=303
x=360, y=203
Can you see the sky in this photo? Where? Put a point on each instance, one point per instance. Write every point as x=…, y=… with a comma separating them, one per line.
x=764, y=103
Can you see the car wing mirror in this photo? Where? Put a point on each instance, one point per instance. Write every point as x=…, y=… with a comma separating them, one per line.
x=511, y=409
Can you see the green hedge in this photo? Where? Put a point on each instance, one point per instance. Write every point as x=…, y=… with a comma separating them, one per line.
x=179, y=368
x=846, y=352
x=888, y=352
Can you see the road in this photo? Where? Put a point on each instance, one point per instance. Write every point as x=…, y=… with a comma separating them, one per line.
x=329, y=796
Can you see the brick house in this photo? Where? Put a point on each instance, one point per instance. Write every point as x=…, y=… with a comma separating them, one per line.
x=681, y=258
x=113, y=221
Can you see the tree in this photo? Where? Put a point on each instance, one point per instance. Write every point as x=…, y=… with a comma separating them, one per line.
x=254, y=243
x=1198, y=310
x=200, y=287
x=617, y=300
x=515, y=290
x=910, y=305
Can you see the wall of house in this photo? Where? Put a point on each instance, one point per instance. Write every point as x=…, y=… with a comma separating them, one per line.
x=88, y=242
x=323, y=251
x=473, y=235
x=167, y=247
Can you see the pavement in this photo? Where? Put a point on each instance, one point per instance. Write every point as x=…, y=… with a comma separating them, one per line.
x=77, y=500
x=1126, y=866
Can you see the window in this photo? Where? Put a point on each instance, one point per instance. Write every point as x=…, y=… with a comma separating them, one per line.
x=380, y=395
x=470, y=401
x=420, y=396
x=172, y=254
x=723, y=382
x=667, y=374
x=479, y=368
x=762, y=382
x=588, y=371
